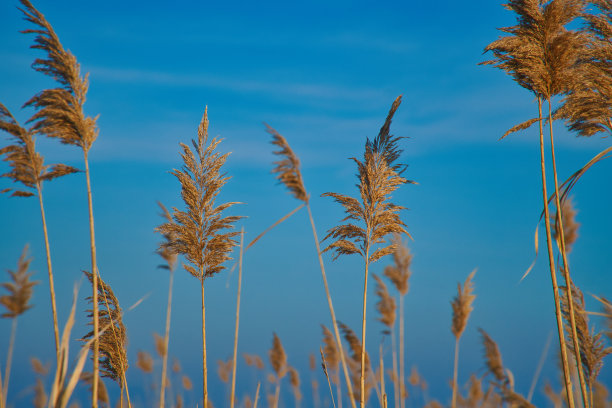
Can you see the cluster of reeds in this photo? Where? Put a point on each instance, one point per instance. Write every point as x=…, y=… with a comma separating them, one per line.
x=542, y=55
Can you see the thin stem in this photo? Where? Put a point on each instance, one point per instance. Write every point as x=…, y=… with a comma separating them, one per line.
x=402, y=382
x=9, y=358
x=331, y=310
x=566, y=268
x=394, y=356
x=538, y=371
x=1, y=390
x=204, y=371
x=363, y=327
x=232, y=395
x=383, y=391
x=94, y=272
x=256, y=395
x=551, y=264
x=162, y=397
x=454, y=400
x=50, y=271
x=277, y=393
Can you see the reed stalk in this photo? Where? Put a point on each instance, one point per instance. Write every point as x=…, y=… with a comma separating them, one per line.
x=551, y=265
x=235, y=358
x=566, y=269
x=9, y=360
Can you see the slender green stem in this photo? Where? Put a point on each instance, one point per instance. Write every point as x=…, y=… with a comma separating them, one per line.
x=9, y=359
x=363, y=327
x=566, y=268
x=456, y=365
x=162, y=396
x=551, y=264
x=331, y=311
x=94, y=272
x=233, y=392
x=50, y=271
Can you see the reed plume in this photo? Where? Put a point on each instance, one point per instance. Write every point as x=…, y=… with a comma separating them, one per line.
x=60, y=115
x=278, y=361
x=462, y=308
x=379, y=176
x=102, y=396
x=288, y=172
x=16, y=302
x=29, y=170
x=224, y=368
x=544, y=57
x=592, y=350
x=144, y=361
x=355, y=362
x=199, y=231
x=387, y=309
x=170, y=259
x=253, y=360
x=294, y=380
x=570, y=226
x=399, y=273
x=332, y=358
x=113, y=341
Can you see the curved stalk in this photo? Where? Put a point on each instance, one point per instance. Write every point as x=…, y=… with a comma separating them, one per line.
x=9, y=358
x=551, y=264
x=94, y=271
x=454, y=400
x=233, y=392
x=363, y=327
x=162, y=396
x=565, y=269
x=331, y=310
x=50, y=271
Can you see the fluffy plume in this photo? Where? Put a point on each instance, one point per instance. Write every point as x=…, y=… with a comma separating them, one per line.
x=592, y=348
x=160, y=345
x=278, y=358
x=570, y=226
x=224, y=369
x=379, y=176
x=386, y=303
x=59, y=110
x=462, y=305
x=198, y=231
x=332, y=357
x=187, y=383
x=169, y=236
x=38, y=367
x=399, y=273
x=294, y=380
x=113, y=341
x=355, y=362
x=87, y=378
x=144, y=362
x=19, y=289
x=287, y=169
x=27, y=165
x=253, y=360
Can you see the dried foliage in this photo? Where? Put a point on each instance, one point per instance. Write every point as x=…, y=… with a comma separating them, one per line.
x=400, y=273
x=164, y=250
x=278, y=358
x=27, y=165
x=287, y=169
x=144, y=361
x=592, y=347
x=59, y=110
x=462, y=305
x=253, y=360
x=379, y=176
x=386, y=303
x=19, y=288
x=198, y=232
x=332, y=357
x=224, y=369
x=588, y=109
x=113, y=341
x=570, y=226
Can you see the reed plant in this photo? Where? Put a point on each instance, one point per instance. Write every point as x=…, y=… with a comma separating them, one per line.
x=278, y=361
x=379, y=176
x=16, y=302
x=200, y=231
x=29, y=170
x=462, y=308
x=288, y=172
x=60, y=114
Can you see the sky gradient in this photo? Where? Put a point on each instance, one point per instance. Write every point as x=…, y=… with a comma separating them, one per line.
x=324, y=75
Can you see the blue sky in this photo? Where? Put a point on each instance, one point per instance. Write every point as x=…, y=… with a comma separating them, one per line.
x=324, y=75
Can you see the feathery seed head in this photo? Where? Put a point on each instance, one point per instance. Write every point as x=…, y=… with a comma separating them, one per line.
x=462, y=305
x=144, y=361
x=287, y=169
x=400, y=273
x=164, y=250
x=493, y=358
x=198, y=232
x=570, y=226
x=332, y=357
x=386, y=303
x=378, y=178
x=278, y=358
x=224, y=369
x=20, y=289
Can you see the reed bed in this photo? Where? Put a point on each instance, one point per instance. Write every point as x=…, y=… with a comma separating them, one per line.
x=559, y=50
